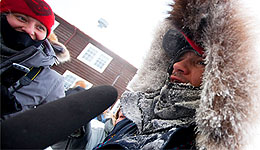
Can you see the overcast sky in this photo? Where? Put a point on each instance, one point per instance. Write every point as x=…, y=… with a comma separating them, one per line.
x=130, y=22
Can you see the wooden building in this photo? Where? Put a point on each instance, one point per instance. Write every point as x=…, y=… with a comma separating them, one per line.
x=90, y=60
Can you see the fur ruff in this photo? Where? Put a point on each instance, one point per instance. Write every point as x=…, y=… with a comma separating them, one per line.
x=230, y=88
x=151, y=76
x=62, y=56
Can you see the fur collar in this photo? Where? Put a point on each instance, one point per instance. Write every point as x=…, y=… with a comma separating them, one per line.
x=61, y=51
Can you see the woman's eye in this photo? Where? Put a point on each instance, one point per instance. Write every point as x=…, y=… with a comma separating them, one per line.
x=41, y=28
x=21, y=18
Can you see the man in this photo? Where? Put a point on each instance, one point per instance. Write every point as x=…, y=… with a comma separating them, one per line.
x=205, y=102
x=161, y=115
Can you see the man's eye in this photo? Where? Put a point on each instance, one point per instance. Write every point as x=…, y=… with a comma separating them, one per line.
x=178, y=60
x=201, y=62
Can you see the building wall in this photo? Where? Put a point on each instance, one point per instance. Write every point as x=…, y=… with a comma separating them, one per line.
x=118, y=73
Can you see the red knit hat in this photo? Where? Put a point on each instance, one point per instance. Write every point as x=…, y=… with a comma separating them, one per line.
x=37, y=9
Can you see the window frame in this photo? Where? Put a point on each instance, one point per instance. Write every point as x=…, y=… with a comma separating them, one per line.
x=77, y=78
x=98, y=56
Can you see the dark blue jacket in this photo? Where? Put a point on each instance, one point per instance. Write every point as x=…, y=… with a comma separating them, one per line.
x=125, y=136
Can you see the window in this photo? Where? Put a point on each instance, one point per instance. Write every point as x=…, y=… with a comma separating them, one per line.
x=70, y=79
x=56, y=24
x=95, y=58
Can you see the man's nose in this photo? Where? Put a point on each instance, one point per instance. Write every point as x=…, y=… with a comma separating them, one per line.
x=29, y=29
x=181, y=67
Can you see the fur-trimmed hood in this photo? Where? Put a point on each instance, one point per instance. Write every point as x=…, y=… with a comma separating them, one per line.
x=62, y=53
x=231, y=85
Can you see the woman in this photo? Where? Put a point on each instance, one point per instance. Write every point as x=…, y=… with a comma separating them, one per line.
x=25, y=26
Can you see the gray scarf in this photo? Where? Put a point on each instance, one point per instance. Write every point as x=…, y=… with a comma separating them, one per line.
x=9, y=56
x=172, y=106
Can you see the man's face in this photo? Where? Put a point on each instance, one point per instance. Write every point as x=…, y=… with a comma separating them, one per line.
x=188, y=69
x=27, y=24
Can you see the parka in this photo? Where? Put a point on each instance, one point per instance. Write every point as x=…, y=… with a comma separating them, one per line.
x=228, y=111
x=48, y=84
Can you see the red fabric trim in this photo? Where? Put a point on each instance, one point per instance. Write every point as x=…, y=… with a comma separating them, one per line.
x=194, y=45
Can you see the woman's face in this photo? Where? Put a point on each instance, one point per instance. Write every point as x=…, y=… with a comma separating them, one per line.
x=29, y=25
